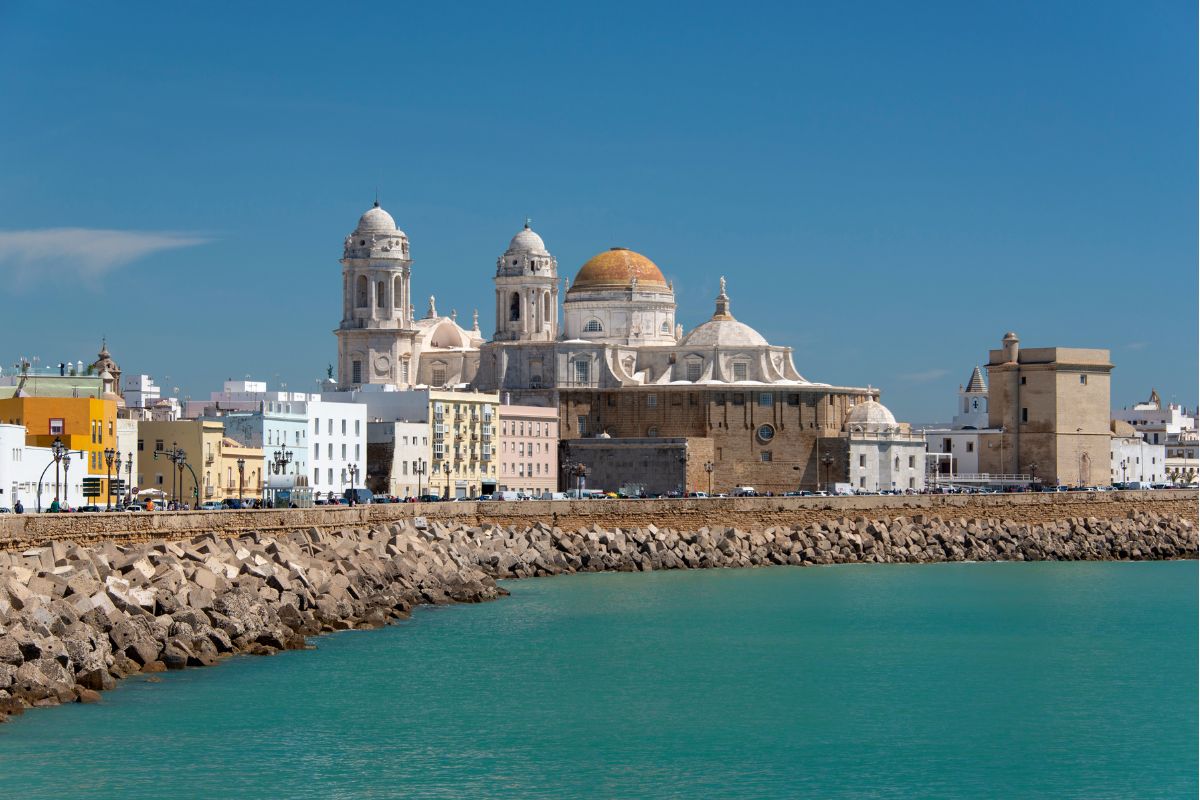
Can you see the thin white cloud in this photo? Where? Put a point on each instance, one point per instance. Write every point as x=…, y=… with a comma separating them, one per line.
x=924, y=377
x=1137, y=345
x=85, y=254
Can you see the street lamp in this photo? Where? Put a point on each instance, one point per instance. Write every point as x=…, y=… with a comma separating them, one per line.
x=66, y=465
x=129, y=477
x=241, y=465
x=109, y=455
x=827, y=460
x=178, y=458
x=59, y=451
x=1033, y=468
x=1124, y=462
x=446, y=469
x=708, y=467
x=279, y=461
x=117, y=472
x=420, y=470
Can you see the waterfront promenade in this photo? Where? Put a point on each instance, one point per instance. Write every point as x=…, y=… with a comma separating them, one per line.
x=26, y=530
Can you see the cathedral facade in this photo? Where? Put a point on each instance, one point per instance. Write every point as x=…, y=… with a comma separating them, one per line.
x=610, y=357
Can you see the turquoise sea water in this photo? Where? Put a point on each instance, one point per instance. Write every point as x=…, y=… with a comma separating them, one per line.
x=958, y=680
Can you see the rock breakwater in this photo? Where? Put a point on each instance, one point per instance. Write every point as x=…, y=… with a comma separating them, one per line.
x=76, y=618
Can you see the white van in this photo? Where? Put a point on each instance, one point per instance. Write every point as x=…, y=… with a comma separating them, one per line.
x=744, y=491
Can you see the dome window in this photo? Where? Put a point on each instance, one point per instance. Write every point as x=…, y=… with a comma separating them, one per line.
x=593, y=326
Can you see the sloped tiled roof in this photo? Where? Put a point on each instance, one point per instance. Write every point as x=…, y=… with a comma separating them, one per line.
x=977, y=383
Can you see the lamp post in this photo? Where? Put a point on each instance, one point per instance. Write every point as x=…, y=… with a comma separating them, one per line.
x=279, y=461
x=117, y=472
x=708, y=467
x=241, y=465
x=420, y=470
x=109, y=455
x=58, y=450
x=178, y=458
x=1124, y=462
x=129, y=477
x=827, y=460
x=66, y=464
x=353, y=470
x=446, y=469
x=1033, y=468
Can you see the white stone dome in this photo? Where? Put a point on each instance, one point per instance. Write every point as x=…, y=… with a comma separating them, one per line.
x=724, y=333
x=526, y=241
x=871, y=413
x=376, y=220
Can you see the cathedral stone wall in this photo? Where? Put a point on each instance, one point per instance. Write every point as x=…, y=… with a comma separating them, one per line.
x=765, y=437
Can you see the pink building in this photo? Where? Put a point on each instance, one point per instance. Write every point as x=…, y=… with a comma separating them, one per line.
x=528, y=453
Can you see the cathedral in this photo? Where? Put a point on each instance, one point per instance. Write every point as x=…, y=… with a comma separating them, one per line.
x=616, y=363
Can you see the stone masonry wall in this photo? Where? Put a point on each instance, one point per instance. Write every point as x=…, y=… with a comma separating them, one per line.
x=26, y=530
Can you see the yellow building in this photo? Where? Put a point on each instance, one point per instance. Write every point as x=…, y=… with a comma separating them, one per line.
x=462, y=448
x=84, y=425
x=210, y=470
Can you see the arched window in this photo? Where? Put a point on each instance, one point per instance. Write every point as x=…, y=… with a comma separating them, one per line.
x=546, y=307
x=593, y=326
x=514, y=307
x=666, y=327
x=379, y=294
x=398, y=293
x=361, y=292
x=652, y=431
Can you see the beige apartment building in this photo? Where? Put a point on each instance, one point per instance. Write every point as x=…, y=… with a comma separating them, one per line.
x=528, y=453
x=1048, y=414
x=211, y=469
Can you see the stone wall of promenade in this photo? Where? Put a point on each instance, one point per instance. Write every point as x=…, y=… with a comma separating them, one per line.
x=26, y=530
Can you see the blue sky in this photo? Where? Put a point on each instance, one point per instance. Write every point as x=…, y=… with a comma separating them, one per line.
x=887, y=187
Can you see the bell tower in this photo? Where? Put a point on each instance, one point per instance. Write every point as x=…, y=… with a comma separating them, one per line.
x=376, y=333
x=526, y=290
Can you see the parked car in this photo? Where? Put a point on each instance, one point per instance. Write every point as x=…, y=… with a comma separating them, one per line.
x=89, y=508
x=211, y=505
x=744, y=491
x=233, y=503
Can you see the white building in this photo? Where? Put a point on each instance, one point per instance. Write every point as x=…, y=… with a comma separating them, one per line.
x=140, y=391
x=28, y=474
x=955, y=450
x=332, y=435
x=1171, y=427
x=1135, y=459
x=398, y=458
x=884, y=455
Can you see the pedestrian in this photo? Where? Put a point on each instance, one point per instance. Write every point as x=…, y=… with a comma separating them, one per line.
x=55, y=507
x=18, y=508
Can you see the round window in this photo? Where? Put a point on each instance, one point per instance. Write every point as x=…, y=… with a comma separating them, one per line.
x=766, y=433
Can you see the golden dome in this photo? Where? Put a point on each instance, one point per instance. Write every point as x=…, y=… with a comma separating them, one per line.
x=615, y=268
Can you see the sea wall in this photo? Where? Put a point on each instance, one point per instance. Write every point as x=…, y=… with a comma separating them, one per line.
x=21, y=531
x=75, y=618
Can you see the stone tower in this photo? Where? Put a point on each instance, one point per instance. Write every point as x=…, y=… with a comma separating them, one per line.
x=526, y=291
x=376, y=334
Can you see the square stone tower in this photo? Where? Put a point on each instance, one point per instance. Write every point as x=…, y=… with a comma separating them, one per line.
x=1048, y=409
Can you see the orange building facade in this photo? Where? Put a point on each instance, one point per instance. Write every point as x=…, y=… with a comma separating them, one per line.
x=86, y=425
